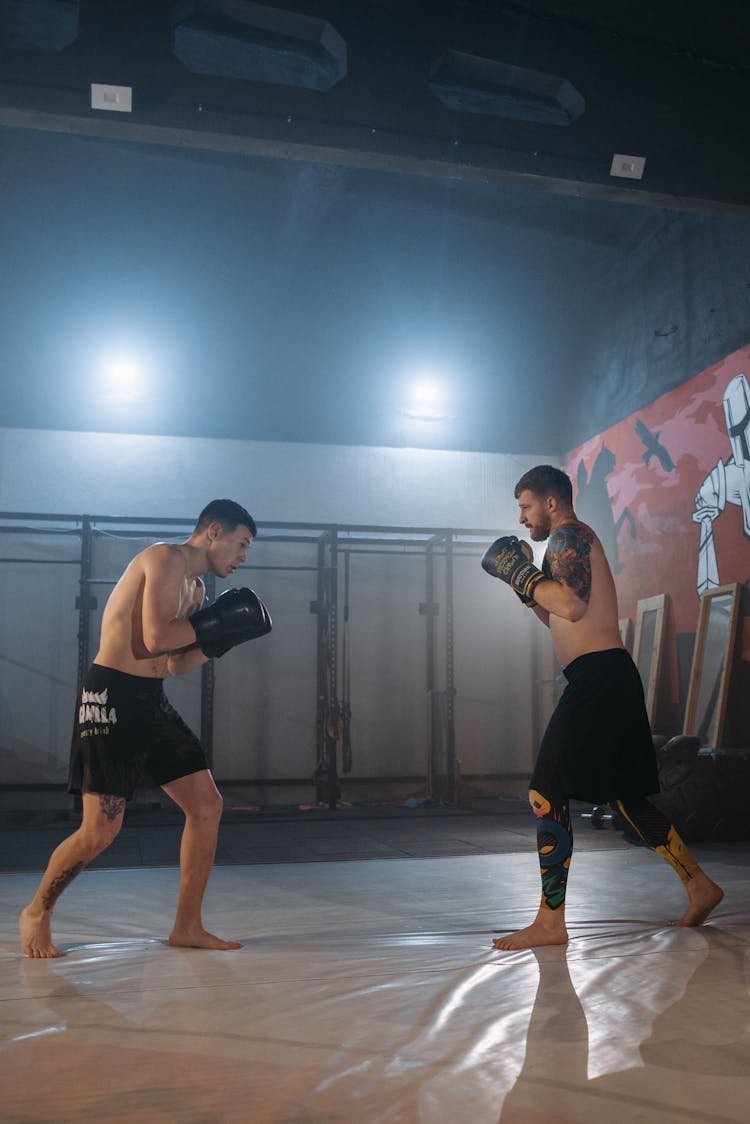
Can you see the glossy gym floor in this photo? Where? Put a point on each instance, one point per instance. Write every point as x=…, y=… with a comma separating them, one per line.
x=367, y=990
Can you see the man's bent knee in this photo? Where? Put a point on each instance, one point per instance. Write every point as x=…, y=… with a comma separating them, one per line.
x=197, y=795
x=213, y=805
x=95, y=841
x=208, y=805
x=102, y=820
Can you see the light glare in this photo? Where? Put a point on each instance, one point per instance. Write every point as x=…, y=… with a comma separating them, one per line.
x=426, y=401
x=426, y=393
x=124, y=375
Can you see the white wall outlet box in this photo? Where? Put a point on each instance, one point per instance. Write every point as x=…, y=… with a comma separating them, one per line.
x=119, y=99
x=630, y=167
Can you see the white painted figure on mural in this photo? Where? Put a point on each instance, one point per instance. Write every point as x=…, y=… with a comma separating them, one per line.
x=725, y=483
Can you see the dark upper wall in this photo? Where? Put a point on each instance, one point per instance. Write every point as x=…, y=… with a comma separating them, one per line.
x=293, y=253
x=666, y=81
x=676, y=301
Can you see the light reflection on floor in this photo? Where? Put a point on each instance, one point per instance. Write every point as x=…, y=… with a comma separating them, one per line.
x=367, y=991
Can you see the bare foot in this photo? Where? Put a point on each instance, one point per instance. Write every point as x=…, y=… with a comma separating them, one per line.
x=36, y=934
x=704, y=896
x=199, y=938
x=542, y=931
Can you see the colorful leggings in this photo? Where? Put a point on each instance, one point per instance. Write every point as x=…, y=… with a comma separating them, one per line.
x=554, y=836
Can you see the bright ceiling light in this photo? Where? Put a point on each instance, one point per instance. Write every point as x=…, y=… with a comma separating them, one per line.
x=124, y=378
x=426, y=401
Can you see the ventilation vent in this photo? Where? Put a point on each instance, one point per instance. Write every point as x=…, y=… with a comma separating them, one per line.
x=476, y=85
x=38, y=25
x=236, y=39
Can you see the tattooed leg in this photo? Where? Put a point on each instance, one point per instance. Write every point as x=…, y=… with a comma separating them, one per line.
x=112, y=806
x=661, y=836
x=102, y=819
x=555, y=845
x=57, y=885
x=554, y=840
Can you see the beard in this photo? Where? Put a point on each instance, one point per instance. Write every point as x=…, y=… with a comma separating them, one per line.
x=540, y=532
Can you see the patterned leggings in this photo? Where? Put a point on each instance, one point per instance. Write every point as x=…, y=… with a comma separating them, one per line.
x=554, y=836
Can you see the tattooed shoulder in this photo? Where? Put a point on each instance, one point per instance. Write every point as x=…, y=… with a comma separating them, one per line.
x=568, y=557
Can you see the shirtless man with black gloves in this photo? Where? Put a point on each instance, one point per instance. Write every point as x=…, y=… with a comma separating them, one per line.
x=598, y=745
x=127, y=733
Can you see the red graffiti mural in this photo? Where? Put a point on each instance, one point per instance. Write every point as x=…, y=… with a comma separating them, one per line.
x=668, y=491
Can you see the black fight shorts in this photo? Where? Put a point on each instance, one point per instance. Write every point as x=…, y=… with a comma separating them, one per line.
x=598, y=745
x=127, y=735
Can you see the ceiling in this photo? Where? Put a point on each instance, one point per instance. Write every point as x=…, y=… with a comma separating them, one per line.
x=285, y=263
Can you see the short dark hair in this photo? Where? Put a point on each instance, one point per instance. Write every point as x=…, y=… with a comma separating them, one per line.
x=229, y=514
x=546, y=480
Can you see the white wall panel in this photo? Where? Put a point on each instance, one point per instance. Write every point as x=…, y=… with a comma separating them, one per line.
x=387, y=646
x=265, y=692
x=38, y=656
x=119, y=474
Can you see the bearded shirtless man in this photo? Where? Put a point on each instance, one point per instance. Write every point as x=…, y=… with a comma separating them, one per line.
x=127, y=733
x=598, y=745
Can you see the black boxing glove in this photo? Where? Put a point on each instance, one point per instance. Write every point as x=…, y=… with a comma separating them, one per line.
x=511, y=561
x=528, y=601
x=235, y=616
x=215, y=649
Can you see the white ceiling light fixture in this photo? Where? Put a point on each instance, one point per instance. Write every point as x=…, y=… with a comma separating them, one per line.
x=427, y=402
x=124, y=379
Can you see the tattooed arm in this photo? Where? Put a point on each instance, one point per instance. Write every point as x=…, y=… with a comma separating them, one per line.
x=567, y=563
